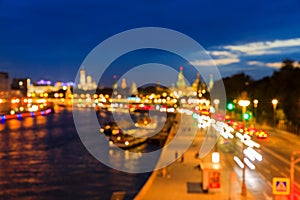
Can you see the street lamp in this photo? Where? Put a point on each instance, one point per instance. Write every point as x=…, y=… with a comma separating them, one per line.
x=215, y=157
x=244, y=189
x=293, y=162
x=247, y=142
x=244, y=103
x=255, y=103
x=274, y=102
x=216, y=102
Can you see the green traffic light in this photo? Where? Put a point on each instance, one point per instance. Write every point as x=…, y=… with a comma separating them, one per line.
x=246, y=116
x=194, y=115
x=230, y=106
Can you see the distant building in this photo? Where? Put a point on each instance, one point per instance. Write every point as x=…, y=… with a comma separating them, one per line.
x=4, y=84
x=4, y=92
x=124, y=84
x=45, y=87
x=196, y=84
x=38, y=88
x=86, y=82
x=181, y=82
x=182, y=89
x=115, y=85
x=133, y=89
x=19, y=87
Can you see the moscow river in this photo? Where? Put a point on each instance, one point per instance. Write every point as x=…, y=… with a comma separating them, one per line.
x=43, y=158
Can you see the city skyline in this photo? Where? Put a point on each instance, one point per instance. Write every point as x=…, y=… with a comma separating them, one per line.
x=150, y=99
x=42, y=40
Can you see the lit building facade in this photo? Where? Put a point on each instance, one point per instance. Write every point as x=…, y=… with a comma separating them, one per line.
x=4, y=85
x=183, y=89
x=19, y=87
x=45, y=87
x=4, y=92
x=86, y=81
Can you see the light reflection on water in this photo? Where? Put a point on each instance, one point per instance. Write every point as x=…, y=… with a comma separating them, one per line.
x=28, y=122
x=43, y=158
x=14, y=124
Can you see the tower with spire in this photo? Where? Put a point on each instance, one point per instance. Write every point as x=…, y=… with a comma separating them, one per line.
x=196, y=84
x=124, y=84
x=133, y=89
x=86, y=81
x=180, y=82
x=115, y=85
x=82, y=77
x=183, y=89
x=211, y=83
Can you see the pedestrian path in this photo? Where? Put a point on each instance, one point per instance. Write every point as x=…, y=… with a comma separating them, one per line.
x=182, y=179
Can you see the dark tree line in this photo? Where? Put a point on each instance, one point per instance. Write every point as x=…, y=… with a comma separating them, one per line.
x=283, y=85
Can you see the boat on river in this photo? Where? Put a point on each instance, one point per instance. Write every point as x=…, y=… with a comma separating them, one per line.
x=127, y=138
x=21, y=115
x=127, y=142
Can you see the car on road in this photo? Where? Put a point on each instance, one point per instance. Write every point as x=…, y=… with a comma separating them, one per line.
x=250, y=130
x=261, y=134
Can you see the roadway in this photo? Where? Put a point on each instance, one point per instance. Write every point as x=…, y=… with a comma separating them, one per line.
x=182, y=178
x=276, y=151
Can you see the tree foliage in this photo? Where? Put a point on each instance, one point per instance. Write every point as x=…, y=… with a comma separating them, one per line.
x=283, y=85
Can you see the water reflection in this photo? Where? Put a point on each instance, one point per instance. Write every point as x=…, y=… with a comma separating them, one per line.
x=127, y=159
x=43, y=158
x=28, y=122
x=41, y=120
x=2, y=127
x=14, y=124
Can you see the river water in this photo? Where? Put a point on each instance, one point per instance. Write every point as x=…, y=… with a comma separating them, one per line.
x=43, y=158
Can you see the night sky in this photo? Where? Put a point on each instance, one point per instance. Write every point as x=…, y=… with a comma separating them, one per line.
x=50, y=39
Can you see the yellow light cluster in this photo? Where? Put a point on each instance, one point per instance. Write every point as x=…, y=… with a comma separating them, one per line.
x=15, y=100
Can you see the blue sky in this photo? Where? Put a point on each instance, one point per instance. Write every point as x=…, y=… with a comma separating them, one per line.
x=50, y=39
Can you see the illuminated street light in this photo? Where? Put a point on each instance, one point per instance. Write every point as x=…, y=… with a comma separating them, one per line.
x=215, y=157
x=274, y=102
x=244, y=189
x=216, y=102
x=293, y=162
x=244, y=104
x=255, y=103
x=250, y=153
x=246, y=141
